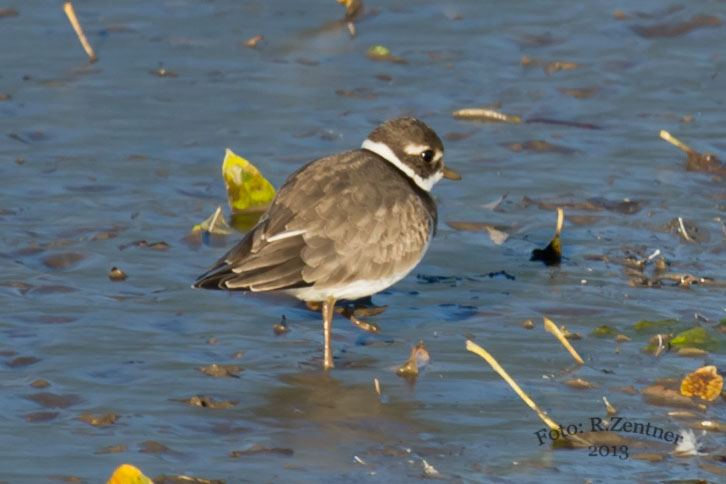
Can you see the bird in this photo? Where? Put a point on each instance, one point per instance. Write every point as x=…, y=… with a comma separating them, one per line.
x=345, y=226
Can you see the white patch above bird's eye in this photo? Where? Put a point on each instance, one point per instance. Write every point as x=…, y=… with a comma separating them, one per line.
x=414, y=150
x=385, y=152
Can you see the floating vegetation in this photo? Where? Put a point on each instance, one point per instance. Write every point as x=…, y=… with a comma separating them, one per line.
x=485, y=115
x=552, y=254
x=222, y=371
x=382, y=53
x=548, y=67
x=417, y=361
x=552, y=328
x=705, y=383
x=116, y=274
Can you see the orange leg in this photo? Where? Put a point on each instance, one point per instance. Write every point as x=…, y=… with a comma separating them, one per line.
x=328, y=311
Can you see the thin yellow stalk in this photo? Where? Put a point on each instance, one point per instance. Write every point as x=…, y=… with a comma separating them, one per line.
x=68, y=9
x=551, y=328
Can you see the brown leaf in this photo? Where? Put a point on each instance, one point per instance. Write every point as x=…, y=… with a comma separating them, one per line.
x=204, y=401
x=101, y=421
x=22, y=361
x=40, y=416
x=659, y=395
x=677, y=29
x=258, y=449
x=221, y=371
x=52, y=400
x=63, y=260
x=579, y=383
x=581, y=93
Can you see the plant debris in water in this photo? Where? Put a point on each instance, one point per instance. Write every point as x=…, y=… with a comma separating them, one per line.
x=382, y=53
x=705, y=163
x=128, y=474
x=222, y=371
x=418, y=360
x=101, y=421
x=705, y=383
x=484, y=114
x=281, y=328
x=552, y=254
x=204, y=401
x=116, y=274
x=259, y=449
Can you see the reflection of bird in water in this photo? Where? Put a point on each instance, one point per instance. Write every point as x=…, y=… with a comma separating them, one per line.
x=345, y=226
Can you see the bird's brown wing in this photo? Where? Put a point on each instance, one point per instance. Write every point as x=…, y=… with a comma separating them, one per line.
x=331, y=223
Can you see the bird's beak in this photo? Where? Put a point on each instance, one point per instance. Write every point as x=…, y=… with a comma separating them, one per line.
x=451, y=174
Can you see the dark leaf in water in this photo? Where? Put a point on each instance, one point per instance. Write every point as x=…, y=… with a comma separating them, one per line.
x=359, y=93
x=161, y=245
x=101, y=421
x=112, y=449
x=677, y=29
x=548, y=67
x=550, y=255
x=458, y=136
x=627, y=207
x=52, y=289
x=561, y=122
x=40, y=416
x=22, y=361
x=222, y=371
x=258, y=449
x=581, y=93
x=62, y=261
x=662, y=396
x=540, y=146
x=52, y=400
x=538, y=40
x=151, y=447
x=204, y=401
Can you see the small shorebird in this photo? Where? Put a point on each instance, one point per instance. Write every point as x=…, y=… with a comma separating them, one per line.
x=345, y=226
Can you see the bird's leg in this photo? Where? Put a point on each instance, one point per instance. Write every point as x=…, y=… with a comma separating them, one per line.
x=328, y=308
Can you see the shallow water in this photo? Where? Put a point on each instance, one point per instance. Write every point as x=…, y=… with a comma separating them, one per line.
x=113, y=154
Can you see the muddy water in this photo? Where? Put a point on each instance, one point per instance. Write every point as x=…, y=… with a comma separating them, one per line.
x=97, y=157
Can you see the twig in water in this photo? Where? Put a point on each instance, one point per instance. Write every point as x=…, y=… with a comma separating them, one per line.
x=68, y=9
x=683, y=230
x=550, y=327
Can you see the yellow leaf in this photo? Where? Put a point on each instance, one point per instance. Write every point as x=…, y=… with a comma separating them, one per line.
x=704, y=382
x=214, y=224
x=246, y=187
x=128, y=474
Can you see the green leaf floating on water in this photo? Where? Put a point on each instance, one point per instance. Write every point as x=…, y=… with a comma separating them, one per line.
x=383, y=54
x=693, y=338
x=603, y=331
x=646, y=325
x=246, y=187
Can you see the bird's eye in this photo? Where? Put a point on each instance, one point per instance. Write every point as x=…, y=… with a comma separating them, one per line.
x=427, y=155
